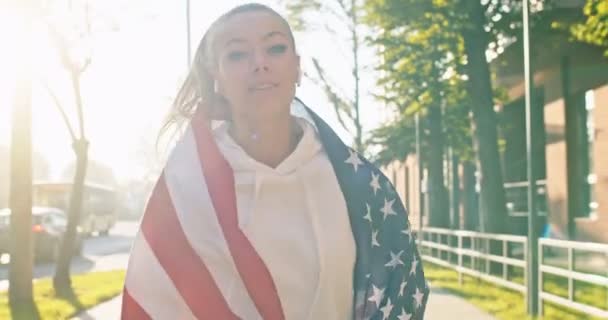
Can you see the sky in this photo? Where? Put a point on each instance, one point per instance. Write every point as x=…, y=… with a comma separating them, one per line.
x=138, y=60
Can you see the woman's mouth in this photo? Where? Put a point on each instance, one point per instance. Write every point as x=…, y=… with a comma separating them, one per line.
x=262, y=87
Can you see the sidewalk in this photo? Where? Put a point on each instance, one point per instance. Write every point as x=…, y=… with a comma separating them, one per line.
x=109, y=310
x=441, y=305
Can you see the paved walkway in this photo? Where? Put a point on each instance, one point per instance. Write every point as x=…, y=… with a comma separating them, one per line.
x=441, y=305
x=107, y=311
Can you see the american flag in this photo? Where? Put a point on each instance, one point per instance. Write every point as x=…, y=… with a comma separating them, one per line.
x=167, y=279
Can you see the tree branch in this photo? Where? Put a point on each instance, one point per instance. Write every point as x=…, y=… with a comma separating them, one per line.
x=75, y=77
x=341, y=106
x=61, y=111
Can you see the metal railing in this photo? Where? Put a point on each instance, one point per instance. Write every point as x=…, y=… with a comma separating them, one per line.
x=437, y=244
x=496, y=258
x=571, y=274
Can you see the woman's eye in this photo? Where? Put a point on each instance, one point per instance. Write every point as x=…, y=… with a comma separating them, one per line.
x=277, y=49
x=237, y=55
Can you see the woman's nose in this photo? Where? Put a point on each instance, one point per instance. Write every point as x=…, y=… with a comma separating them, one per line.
x=259, y=61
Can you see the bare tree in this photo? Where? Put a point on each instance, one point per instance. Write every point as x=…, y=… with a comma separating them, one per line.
x=75, y=65
x=346, y=15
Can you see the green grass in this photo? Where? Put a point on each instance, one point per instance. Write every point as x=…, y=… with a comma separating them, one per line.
x=89, y=289
x=507, y=304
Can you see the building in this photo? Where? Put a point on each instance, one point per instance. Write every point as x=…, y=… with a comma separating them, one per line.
x=570, y=144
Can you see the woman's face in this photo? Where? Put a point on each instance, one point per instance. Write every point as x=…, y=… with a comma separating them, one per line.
x=257, y=66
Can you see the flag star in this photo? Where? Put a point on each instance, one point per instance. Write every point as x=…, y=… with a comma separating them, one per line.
x=375, y=184
x=404, y=315
x=414, y=266
x=402, y=288
x=388, y=208
x=387, y=309
x=395, y=260
x=368, y=216
x=354, y=160
x=418, y=296
x=375, y=242
x=377, y=296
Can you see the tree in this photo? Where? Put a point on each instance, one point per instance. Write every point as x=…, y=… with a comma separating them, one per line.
x=481, y=94
x=421, y=74
x=489, y=27
x=341, y=15
x=472, y=32
x=21, y=264
x=595, y=29
x=75, y=65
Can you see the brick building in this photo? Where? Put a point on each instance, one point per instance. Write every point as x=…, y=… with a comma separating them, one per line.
x=570, y=144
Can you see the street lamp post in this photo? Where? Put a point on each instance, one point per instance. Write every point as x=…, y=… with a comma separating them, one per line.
x=420, y=172
x=532, y=246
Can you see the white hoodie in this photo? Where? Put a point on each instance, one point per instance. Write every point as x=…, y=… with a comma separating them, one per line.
x=296, y=218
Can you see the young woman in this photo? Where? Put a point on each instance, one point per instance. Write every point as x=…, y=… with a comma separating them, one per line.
x=268, y=215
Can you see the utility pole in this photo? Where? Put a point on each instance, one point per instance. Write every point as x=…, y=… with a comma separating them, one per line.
x=532, y=253
x=420, y=173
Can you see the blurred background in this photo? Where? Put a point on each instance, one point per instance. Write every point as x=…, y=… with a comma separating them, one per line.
x=490, y=117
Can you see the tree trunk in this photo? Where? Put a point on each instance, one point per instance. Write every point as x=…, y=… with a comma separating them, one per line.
x=439, y=213
x=576, y=155
x=21, y=263
x=61, y=281
x=471, y=207
x=456, y=222
x=484, y=118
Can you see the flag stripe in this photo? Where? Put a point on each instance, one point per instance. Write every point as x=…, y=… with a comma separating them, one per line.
x=219, y=178
x=131, y=310
x=190, y=276
x=149, y=285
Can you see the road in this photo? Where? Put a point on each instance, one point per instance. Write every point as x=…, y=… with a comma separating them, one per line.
x=99, y=254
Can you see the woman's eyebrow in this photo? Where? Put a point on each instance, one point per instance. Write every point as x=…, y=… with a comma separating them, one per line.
x=234, y=40
x=267, y=36
x=274, y=33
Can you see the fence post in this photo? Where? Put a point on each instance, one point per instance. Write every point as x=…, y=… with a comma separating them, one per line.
x=541, y=309
x=487, y=252
x=435, y=252
x=459, y=259
x=570, y=269
x=505, y=266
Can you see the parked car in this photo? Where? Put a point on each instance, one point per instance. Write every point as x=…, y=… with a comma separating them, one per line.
x=48, y=227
